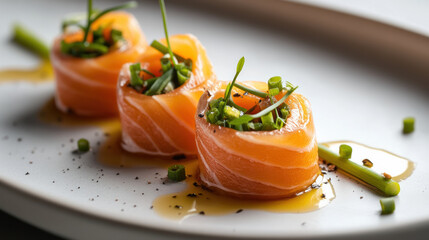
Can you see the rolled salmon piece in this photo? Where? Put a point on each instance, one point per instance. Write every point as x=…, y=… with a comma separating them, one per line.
x=257, y=164
x=87, y=86
x=164, y=124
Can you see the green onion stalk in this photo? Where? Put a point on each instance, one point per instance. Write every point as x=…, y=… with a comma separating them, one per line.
x=386, y=186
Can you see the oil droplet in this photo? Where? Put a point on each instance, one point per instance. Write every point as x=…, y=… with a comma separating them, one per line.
x=383, y=161
x=197, y=200
x=42, y=73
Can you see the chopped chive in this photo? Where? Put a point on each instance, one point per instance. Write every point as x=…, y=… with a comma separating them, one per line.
x=387, y=186
x=176, y=173
x=387, y=205
x=83, y=145
x=284, y=113
x=148, y=72
x=164, y=20
x=408, y=125
x=273, y=91
x=99, y=46
x=251, y=90
x=135, y=80
x=345, y=151
x=275, y=82
x=160, y=83
x=231, y=112
x=163, y=49
x=28, y=40
x=247, y=117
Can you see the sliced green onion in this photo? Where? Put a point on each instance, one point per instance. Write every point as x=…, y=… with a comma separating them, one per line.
x=83, y=145
x=163, y=49
x=387, y=205
x=408, y=125
x=284, y=113
x=160, y=83
x=231, y=112
x=28, y=40
x=148, y=72
x=176, y=173
x=164, y=20
x=212, y=115
x=273, y=91
x=345, y=151
x=247, y=117
x=387, y=186
x=135, y=80
x=275, y=82
x=251, y=90
x=267, y=119
x=165, y=63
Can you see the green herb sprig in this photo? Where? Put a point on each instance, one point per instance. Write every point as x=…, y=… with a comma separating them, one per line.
x=224, y=112
x=175, y=68
x=99, y=45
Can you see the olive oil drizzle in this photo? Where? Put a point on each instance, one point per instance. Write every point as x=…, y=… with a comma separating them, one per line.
x=196, y=200
x=42, y=73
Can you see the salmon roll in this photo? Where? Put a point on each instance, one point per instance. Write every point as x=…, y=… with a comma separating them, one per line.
x=256, y=141
x=158, y=96
x=87, y=61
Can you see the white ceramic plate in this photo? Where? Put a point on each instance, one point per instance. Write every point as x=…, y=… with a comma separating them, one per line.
x=350, y=74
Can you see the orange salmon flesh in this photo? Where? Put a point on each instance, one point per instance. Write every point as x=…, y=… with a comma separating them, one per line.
x=164, y=124
x=87, y=86
x=257, y=164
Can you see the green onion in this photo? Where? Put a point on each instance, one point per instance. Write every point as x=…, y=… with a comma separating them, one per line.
x=273, y=91
x=135, y=81
x=176, y=173
x=285, y=113
x=345, y=151
x=387, y=186
x=83, y=145
x=231, y=112
x=408, y=125
x=247, y=117
x=387, y=205
x=28, y=40
x=275, y=82
x=102, y=13
x=160, y=83
x=164, y=20
x=163, y=49
x=251, y=91
x=149, y=73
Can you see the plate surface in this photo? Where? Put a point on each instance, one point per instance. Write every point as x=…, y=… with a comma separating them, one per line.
x=42, y=182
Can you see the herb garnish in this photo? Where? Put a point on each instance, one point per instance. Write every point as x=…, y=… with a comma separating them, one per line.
x=224, y=112
x=100, y=44
x=176, y=70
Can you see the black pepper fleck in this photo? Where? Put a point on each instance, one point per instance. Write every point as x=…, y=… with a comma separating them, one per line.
x=239, y=211
x=201, y=115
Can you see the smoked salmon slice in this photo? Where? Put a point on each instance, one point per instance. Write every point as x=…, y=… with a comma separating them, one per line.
x=164, y=124
x=87, y=86
x=257, y=164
